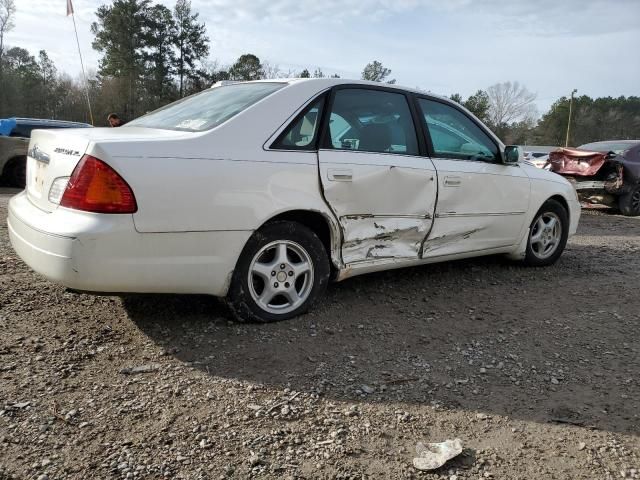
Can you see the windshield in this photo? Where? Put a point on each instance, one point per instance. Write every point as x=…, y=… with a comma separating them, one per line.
x=607, y=147
x=207, y=109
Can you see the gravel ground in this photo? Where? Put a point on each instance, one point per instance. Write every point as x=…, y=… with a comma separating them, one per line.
x=535, y=370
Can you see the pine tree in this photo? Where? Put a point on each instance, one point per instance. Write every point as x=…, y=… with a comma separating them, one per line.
x=191, y=42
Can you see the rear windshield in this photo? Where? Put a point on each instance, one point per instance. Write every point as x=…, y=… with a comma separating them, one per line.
x=207, y=109
x=607, y=147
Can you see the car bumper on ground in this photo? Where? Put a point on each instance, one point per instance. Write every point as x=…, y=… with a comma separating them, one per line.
x=104, y=253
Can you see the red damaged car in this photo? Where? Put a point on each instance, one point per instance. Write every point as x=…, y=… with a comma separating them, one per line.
x=607, y=173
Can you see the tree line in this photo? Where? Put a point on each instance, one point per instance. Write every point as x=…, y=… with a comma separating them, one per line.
x=508, y=109
x=152, y=55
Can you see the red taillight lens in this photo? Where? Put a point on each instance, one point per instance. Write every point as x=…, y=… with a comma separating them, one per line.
x=96, y=187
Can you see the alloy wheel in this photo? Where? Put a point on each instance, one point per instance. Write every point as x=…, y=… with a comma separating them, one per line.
x=546, y=235
x=281, y=277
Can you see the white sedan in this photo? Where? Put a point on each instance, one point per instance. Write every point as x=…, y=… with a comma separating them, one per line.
x=261, y=192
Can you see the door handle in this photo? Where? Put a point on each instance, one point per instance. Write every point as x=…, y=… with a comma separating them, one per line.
x=452, y=181
x=340, y=175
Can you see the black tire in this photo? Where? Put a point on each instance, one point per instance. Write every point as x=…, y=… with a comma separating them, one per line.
x=299, y=242
x=536, y=257
x=629, y=202
x=15, y=172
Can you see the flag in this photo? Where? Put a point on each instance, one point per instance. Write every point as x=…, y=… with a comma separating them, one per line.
x=69, y=8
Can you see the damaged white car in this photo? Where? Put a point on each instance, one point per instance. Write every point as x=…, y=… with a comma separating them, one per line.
x=262, y=192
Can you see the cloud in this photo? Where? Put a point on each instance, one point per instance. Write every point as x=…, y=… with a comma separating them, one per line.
x=328, y=11
x=447, y=46
x=563, y=17
x=581, y=17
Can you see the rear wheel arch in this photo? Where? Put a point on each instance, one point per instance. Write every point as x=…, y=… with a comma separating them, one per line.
x=321, y=224
x=324, y=226
x=256, y=295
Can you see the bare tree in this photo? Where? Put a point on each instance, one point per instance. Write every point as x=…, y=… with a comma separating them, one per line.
x=509, y=102
x=7, y=10
x=271, y=71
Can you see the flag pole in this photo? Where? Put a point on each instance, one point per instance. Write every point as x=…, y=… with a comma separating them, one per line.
x=84, y=75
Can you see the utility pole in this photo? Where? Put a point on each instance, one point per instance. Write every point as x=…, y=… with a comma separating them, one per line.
x=566, y=143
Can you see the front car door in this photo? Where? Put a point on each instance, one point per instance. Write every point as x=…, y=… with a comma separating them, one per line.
x=380, y=188
x=481, y=201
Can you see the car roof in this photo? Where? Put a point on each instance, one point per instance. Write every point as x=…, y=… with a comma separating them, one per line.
x=330, y=82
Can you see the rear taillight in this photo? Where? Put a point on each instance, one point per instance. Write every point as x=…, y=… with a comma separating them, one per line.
x=96, y=187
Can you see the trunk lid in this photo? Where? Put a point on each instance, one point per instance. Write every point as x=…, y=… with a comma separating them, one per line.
x=53, y=154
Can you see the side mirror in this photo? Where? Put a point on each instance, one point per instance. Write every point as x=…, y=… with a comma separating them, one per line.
x=511, y=154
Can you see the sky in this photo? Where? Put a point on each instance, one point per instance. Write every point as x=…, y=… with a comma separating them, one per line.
x=443, y=46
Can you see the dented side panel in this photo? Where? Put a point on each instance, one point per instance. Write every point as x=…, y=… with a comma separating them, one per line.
x=384, y=202
x=391, y=237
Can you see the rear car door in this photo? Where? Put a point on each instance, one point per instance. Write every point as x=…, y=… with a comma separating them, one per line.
x=374, y=179
x=481, y=201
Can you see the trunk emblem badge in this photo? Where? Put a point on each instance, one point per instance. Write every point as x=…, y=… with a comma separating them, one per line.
x=36, y=153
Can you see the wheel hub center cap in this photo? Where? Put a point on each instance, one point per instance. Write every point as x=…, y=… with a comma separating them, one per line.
x=281, y=276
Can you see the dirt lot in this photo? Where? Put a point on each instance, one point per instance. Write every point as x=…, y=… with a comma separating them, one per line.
x=536, y=371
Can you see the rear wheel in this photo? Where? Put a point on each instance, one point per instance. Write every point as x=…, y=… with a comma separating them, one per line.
x=629, y=203
x=15, y=173
x=282, y=271
x=547, y=235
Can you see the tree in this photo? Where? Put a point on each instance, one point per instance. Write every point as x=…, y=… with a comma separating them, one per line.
x=21, y=61
x=305, y=74
x=191, y=41
x=592, y=120
x=27, y=84
x=318, y=73
x=274, y=71
x=121, y=33
x=160, y=56
x=48, y=85
x=478, y=104
x=7, y=11
x=509, y=102
x=215, y=72
x=247, y=67
x=456, y=97
x=20, y=77
x=376, y=72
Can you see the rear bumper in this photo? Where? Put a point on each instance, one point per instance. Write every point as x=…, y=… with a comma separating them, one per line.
x=104, y=253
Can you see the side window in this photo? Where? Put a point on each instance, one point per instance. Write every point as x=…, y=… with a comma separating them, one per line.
x=302, y=133
x=454, y=135
x=371, y=121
